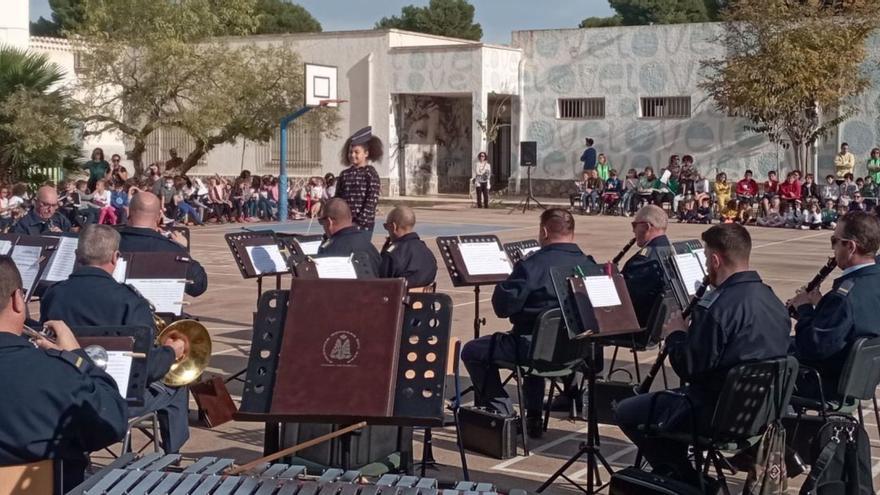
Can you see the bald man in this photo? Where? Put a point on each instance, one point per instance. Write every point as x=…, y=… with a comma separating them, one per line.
x=343, y=238
x=643, y=274
x=142, y=235
x=405, y=255
x=44, y=217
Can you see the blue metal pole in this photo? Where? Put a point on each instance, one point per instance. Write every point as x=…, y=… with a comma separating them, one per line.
x=282, y=163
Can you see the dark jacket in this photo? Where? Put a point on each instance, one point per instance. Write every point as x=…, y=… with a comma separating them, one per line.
x=32, y=224
x=529, y=291
x=409, y=258
x=824, y=334
x=589, y=157
x=740, y=321
x=351, y=240
x=56, y=405
x=644, y=277
x=90, y=297
x=143, y=240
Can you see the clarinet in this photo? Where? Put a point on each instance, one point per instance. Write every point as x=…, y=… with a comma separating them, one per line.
x=645, y=386
x=814, y=284
x=623, y=251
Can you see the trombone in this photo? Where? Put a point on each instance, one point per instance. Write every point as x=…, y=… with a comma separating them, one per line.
x=196, y=354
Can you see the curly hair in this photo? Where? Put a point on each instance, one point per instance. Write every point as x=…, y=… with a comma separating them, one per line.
x=373, y=146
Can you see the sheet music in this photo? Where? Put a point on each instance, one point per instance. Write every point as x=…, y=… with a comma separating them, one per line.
x=691, y=271
x=119, y=367
x=309, y=248
x=664, y=179
x=5, y=247
x=165, y=294
x=27, y=259
x=602, y=291
x=62, y=261
x=484, y=258
x=335, y=267
x=529, y=250
x=266, y=259
x=120, y=270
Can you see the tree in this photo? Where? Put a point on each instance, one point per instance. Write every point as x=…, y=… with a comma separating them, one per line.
x=282, y=16
x=152, y=64
x=644, y=12
x=36, y=119
x=787, y=62
x=591, y=22
x=66, y=15
x=454, y=18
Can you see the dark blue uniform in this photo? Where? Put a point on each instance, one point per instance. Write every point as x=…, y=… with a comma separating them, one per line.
x=351, y=240
x=644, y=277
x=824, y=334
x=409, y=258
x=90, y=297
x=32, y=224
x=143, y=240
x=740, y=321
x=526, y=293
x=56, y=405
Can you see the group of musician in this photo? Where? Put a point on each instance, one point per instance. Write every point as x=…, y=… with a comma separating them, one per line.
x=59, y=405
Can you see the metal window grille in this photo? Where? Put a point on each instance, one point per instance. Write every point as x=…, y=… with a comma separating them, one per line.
x=580, y=108
x=160, y=141
x=303, y=152
x=666, y=107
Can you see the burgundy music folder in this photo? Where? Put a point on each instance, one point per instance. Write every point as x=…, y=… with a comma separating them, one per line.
x=340, y=348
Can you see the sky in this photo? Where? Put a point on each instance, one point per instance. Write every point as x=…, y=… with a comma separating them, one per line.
x=497, y=17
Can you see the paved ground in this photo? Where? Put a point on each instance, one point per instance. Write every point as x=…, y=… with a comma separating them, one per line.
x=786, y=259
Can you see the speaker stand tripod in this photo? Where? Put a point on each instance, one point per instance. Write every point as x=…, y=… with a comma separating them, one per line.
x=526, y=202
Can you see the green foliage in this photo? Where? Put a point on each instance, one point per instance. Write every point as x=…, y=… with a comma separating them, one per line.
x=594, y=22
x=164, y=67
x=45, y=27
x=282, y=16
x=454, y=18
x=644, y=12
x=37, y=127
x=786, y=59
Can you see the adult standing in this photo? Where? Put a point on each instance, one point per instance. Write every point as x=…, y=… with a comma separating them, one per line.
x=844, y=162
x=482, y=179
x=175, y=162
x=589, y=157
x=358, y=185
x=98, y=168
x=873, y=165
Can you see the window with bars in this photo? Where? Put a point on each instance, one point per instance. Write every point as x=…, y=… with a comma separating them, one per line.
x=580, y=108
x=303, y=150
x=666, y=107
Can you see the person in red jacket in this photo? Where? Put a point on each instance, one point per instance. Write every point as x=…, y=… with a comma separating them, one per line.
x=790, y=190
x=747, y=188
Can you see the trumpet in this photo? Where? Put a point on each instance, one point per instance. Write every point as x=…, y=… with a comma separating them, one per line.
x=816, y=281
x=623, y=251
x=196, y=354
x=96, y=353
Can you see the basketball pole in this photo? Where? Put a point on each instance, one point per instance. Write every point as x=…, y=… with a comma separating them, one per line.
x=282, y=162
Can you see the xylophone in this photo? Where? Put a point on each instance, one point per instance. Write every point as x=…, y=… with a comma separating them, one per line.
x=158, y=474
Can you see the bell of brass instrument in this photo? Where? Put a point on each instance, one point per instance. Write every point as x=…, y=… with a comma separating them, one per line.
x=196, y=354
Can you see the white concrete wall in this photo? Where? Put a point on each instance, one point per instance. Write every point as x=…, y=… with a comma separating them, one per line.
x=14, y=23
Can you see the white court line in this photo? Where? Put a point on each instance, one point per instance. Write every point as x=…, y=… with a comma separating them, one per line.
x=537, y=450
x=790, y=240
x=875, y=470
x=610, y=458
x=470, y=302
x=226, y=351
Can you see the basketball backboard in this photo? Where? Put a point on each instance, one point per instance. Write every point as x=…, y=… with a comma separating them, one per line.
x=320, y=86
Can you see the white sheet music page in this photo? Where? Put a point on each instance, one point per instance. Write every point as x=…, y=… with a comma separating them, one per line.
x=602, y=291
x=5, y=247
x=309, y=248
x=119, y=367
x=529, y=250
x=165, y=294
x=335, y=267
x=484, y=258
x=62, y=261
x=120, y=270
x=266, y=259
x=690, y=270
x=27, y=259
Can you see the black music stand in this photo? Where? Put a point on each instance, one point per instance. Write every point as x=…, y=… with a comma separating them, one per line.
x=592, y=323
x=518, y=250
x=140, y=340
x=237, y=241
x=47, y=247
x=458, y=274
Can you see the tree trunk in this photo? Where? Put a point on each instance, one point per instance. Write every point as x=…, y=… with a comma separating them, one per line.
x=136, y=155
x=192, y=159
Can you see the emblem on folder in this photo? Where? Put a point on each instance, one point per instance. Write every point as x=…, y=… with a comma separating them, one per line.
x=341, y=349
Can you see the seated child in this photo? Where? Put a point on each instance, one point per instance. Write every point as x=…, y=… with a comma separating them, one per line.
x=829, y=215
x=730, y=212
x=704, y=212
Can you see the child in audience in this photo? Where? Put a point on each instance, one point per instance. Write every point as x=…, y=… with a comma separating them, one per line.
x=771, y=190
x=773, y=216
x=812, y=216
x=790, y=191
x=858, y=203
x=630, y=185
x=848, y=189
x=704, y=212
x=794, y=215
x=722, y=190
x=688, y=212
x=869, y=192
x=592, y=192
x=603, y=168
x=119, y=200
x=701, y=188
x=646, y=185
x=829, y=215
x=730, y=211
x=829, y=190
x=580, y=188
x=5, y=210
x=613, y=190
x=810, y=190
x=744, y=213
x=103, y=199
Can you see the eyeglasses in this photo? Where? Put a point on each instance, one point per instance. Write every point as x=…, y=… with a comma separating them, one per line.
x=835, y=240
x=636, y=224
x=47, y=205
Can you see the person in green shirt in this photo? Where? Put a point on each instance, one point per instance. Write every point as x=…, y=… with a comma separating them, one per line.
x=98, y=168
x=874, y=165
x=603, y=167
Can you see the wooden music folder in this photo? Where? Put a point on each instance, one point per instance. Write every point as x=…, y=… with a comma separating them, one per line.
x=603, y=304
x=340, y=348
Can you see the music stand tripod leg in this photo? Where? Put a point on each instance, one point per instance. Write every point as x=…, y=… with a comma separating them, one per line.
x=478, y=322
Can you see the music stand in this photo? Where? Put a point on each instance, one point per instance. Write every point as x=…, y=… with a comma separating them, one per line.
x=518, y=250
x=236, y=240
x=155, y=267
x=46, y=246
x=455, y=265
x=136, y=339
x=587, y=305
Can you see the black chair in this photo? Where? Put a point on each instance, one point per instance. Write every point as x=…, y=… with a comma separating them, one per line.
x=552, y=355
x=858, y=382
x=754, y=395
x=639, y=342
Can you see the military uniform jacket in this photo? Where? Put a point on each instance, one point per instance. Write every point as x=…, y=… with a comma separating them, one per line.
x=823, y=334
x=409, y=258
x=90, y=297
x=529, y=291
x=32, y=224
x=56, y=405
x=351, y=240
x=143, y=240
x=644, y=277
x=740, y=321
